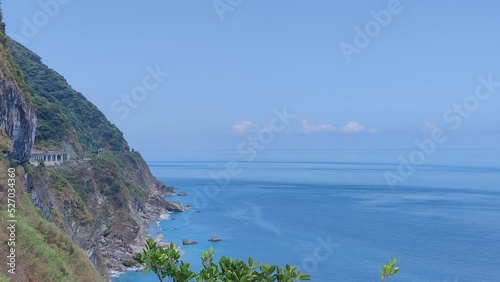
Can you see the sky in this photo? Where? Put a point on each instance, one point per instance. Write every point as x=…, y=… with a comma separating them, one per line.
x=212, y=74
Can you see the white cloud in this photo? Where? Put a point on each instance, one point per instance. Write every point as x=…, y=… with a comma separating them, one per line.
x=244, y=127
x=430, y=127
x=309, y=127
x=352, y=127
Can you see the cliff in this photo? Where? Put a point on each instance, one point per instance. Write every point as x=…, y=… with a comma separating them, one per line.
x=17, y=118
x=43, y=252
x=65, y=117
x=104, y=205
x=85, y=217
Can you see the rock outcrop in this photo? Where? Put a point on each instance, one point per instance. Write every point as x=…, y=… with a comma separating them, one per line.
x=188, y=242
x=215, y=239
x=100, y=217
x=103, y=205
x=17, y=118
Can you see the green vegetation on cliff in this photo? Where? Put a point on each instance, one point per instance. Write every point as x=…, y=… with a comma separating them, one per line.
x=5, y=142
x=8, y=66
x=77, y=222
x=64, y=115
x=115, y=172
x=45, y=253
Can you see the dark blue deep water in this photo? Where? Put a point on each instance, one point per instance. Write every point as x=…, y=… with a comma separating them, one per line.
x=332, y=213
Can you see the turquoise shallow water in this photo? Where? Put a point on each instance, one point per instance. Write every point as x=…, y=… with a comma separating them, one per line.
x=332, y=214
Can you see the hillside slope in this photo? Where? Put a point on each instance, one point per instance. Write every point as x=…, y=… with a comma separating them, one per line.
x=65, y=116
x=84, y=218
x=43, y=251
x=17, y=117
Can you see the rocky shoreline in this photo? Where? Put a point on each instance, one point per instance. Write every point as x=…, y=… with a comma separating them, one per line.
x=157, y=209
x=119, y=255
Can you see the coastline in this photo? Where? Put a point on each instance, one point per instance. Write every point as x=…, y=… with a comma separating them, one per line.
x=137, y=245
x=250, y=209
x=157, y=209
x=144, y=233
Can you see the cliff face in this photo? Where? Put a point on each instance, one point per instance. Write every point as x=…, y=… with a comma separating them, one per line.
x=104, y=205
x=43, y=252
x=99, y=208
x=17, y=119
x=65, y=117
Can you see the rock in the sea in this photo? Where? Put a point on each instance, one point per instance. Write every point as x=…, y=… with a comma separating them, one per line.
x=174, y=206
x=188, y=242
x=182, y=194
x=214, y=239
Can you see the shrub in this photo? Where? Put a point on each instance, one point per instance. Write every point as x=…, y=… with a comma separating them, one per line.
x=166, y=264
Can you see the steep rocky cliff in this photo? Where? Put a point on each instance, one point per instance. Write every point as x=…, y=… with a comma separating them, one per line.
x=104, y=205
x=43, y=252
x=17, y=118
x=98, y=205
x=65, y=117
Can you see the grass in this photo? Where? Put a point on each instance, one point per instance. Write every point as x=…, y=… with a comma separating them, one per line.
x=5, y=142
x=45, y=253
x=4, y=278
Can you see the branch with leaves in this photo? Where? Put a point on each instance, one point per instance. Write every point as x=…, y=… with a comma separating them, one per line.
x=389, y=270
x=166, y=264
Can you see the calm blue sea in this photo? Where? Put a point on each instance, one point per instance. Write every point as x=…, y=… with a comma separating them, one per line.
x=332, y=213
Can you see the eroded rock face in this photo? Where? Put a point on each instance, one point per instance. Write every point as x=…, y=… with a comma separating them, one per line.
x=38, y=188
x=17, y=119
x=105, y=206
x=109, y=233
x=173, y=206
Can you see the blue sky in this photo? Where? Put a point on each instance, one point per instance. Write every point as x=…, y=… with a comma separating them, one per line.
x=229, y=68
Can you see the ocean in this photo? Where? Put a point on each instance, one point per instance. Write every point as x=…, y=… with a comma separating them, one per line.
x=333, y=214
